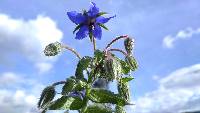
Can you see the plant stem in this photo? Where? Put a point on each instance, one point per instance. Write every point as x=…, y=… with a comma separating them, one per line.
x=120, y=37
x=94, y=43
x=119, y=50
x=58, y=83
x=72, y=50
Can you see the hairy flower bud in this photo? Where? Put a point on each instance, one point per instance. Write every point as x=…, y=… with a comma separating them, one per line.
x=112, y=68
x=130, y=60
x=123, y=90
x=47, y=95
x=128, y=44
x=52, y=49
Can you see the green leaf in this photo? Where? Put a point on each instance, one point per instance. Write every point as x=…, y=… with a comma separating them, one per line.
x=77, y=27
x=119, y=109
x=101, y=13
x=98, y=56
x=69, y=86
x=130, y=60
x=105, y=96
x=67, y=103
x=80, y=85
x=123, y=89
x=82, y=65
x=98, y=109
x=103, y=26
x=127, y=79
x=47, y=96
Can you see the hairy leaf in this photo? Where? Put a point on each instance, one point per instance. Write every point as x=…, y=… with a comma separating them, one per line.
x=127, y=79
x=105, y=96
x=82, y=65
x=69, y=86
x=98, y=109
x=66, y=102
x=119, y=109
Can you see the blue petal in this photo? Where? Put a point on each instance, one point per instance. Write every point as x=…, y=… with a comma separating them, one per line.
x=82, y=33
x=103, y=20
x=93, y=11
x=75, y=17
x=97, y=32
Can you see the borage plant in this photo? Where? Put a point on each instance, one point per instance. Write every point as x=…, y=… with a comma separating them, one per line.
x=87, y=91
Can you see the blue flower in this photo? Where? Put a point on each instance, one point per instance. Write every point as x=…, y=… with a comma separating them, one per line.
x=89, y=22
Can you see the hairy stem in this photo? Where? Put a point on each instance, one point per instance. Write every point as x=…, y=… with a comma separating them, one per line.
x=72, y=50
x=94, y=43
x=119, y=50
x=120, y=37
x=58, y=83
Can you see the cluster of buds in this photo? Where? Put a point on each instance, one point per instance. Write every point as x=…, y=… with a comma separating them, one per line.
x=53, y=49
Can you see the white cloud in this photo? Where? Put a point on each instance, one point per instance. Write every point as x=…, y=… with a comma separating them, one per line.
x=18, y=94
x=177, y=92
x=44, y=67
x=27, y=38
x=187, y=33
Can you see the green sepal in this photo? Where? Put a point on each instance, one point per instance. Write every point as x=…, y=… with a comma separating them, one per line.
x=82, y=65
x=101, y=13
x=103, y=26
x=67, y=103
x=105, y=96
x=77, y=27
x=96, y=108
x=69, y=86
x=47, y=96
x=131, y=61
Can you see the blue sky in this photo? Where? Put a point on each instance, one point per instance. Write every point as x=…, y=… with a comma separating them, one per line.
x=167, y=39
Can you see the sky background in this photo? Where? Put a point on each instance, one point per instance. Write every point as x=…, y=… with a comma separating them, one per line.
x=167, y=46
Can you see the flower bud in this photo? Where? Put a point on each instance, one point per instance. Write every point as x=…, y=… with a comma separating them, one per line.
x=111, y=66
x=128, y=44
x=52, y=49
x=130, y=60
x=47, y=95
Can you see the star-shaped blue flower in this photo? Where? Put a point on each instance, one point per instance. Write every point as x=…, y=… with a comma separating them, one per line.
x=89, y=22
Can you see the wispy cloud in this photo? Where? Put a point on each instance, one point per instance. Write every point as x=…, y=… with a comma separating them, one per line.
x=177, y=92
x=187, y=33
x=27, y=38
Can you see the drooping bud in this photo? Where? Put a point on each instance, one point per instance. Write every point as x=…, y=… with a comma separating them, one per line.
x=130, y=60
x=112, y=68
x=123, y=90
x=128, y=44
x=53, y=49
x=47, y=96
